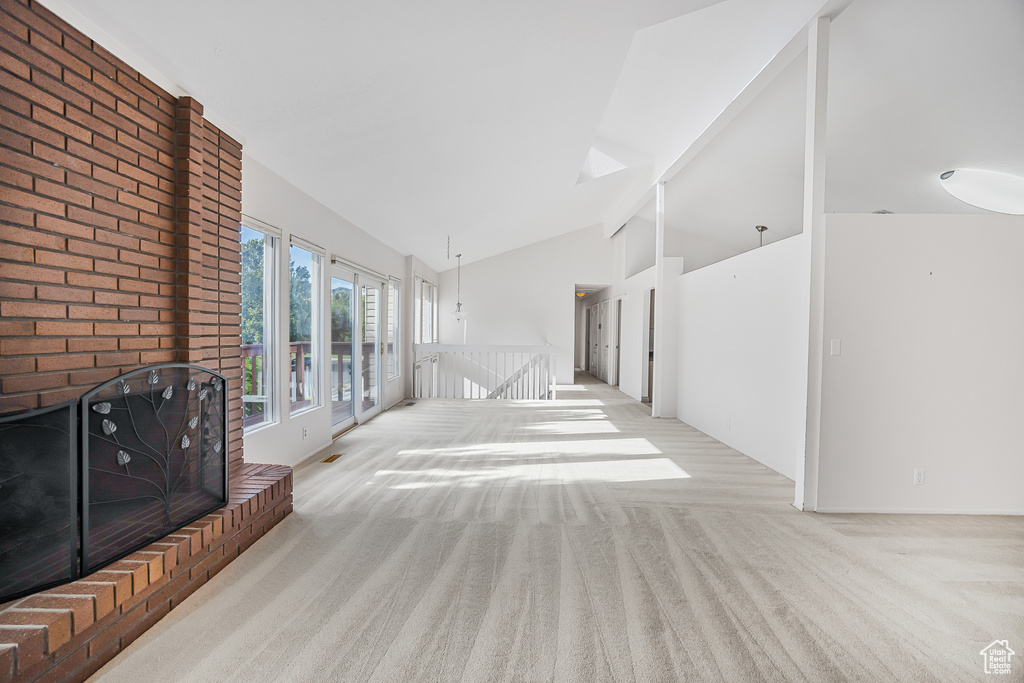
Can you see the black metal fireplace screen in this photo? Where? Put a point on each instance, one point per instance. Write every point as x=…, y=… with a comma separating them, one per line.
x=87, y=482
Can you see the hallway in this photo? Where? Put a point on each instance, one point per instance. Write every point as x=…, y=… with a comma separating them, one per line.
x=580, y=540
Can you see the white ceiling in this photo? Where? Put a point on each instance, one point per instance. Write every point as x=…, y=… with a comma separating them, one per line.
x=419, y=120
x=916, y=87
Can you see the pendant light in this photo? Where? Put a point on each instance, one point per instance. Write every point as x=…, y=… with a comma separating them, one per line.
x=458, y=313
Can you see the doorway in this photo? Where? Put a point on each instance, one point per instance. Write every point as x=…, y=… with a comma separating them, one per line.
x=586, y=344
x=649, y=331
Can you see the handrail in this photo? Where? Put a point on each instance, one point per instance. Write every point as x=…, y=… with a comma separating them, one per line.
x=484, y=348
x=484, y=371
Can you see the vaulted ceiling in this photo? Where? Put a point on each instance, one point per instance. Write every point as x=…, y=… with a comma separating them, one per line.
x=501, y=124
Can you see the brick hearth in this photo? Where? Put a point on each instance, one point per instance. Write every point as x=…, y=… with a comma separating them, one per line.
x=67, y=633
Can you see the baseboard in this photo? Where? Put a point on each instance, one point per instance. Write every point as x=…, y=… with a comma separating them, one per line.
x=904, y=511
x=309, y=456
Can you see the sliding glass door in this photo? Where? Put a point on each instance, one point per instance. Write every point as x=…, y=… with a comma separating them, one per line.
x=370, y=384
x=358, y=321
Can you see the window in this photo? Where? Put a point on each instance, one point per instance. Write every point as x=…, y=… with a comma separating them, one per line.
x=259, y=250
x=426, y=312
x=304, y=266
x=394, y=315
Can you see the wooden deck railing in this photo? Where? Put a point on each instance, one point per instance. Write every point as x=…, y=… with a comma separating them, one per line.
x=341, y=380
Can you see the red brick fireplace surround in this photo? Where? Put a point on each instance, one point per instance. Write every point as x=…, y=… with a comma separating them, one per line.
x=119, y=247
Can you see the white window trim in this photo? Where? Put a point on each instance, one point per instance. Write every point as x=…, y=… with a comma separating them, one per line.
x=316, y=327
x=396, y=319
x=271, y=284
x=260, y=226
x=308, y=246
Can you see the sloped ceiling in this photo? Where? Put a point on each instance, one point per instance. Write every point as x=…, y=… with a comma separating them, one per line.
x=916, y=87
x=415, y=120
x=750, y=174
x=420, y=120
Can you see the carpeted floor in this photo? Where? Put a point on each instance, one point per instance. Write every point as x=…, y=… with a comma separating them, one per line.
x=580, y=540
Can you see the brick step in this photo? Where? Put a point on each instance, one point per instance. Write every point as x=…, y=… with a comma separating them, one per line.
x=69, y=632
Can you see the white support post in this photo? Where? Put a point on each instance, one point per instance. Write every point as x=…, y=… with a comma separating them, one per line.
x=806, y=494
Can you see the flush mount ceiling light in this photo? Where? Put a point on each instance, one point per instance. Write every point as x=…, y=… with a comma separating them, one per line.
x=999, y=192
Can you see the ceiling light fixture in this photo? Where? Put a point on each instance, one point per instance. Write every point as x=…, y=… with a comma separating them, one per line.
x=991, y=190
x=458, y=313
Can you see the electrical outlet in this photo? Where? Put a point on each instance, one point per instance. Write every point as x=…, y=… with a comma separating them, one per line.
x=918, y=477
x=305, y=433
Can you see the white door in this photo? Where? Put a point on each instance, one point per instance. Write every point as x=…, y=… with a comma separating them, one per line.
x=603, y=355
x=616, y=340
x=595, y=341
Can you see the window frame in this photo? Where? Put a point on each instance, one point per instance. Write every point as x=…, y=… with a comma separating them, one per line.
x=425, y=311
x=393, y=338
x=312, y=387
x=271, y=256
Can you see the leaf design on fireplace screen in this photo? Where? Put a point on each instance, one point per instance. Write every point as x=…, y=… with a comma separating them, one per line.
x=155, y=459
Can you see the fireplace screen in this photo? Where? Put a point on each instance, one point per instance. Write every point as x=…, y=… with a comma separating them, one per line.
x=154, y=457
x=38, y=500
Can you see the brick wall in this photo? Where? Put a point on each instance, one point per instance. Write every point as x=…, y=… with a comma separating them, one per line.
x=119, y=221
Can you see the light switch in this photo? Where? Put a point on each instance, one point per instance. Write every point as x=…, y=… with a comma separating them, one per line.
x=835, y=347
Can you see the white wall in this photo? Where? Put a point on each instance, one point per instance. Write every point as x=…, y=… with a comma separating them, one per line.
x=271, y=199
x=743, y=352
x=638, y=244
x=635, y=325
x=527, y=295
x=929, y=311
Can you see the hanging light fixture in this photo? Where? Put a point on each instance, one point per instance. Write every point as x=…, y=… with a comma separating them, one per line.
x=999, y=192
x=458, y=313
x=760, y=232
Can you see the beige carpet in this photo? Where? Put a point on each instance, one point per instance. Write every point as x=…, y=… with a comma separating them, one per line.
x=580, y=540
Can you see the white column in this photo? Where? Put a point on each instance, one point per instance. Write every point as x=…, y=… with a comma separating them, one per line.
x=806, y=497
